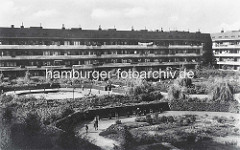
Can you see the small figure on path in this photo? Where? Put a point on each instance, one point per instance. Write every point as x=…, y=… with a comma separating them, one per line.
x=86, y=127
x=96, y=124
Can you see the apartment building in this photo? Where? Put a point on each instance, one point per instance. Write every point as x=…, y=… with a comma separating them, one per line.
x=226, y=49
x=34, y=49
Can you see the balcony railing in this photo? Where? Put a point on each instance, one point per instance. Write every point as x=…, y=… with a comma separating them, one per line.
x=63, y=57
x=226, y=47
x=228, y=63
x=97, y=47
x=227, y=54
x=107, y=65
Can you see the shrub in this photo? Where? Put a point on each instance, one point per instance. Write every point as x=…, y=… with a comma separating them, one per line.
x=175, y=92
x=155, y=116
x=25, y=99
x=7, y=115
x=186, y=82
x=118, y=121
x=66, y=112
x=192, y=118
x=50, y=119
x=221, y=120
x=222, y=92
x=156, y=95
x=185, y=121
x=6, y=98
x=149, y=119
x=33, y=123
x=141, y=119
x=170, y=119
x=163, y=119
x=236, y=129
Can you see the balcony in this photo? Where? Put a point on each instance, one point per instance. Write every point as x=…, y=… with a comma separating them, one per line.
x=227, y=54
x=229, y=63
x=185, y=47
x=107, y=65
x=63, y=57
x=16, y=47
x=226, y=47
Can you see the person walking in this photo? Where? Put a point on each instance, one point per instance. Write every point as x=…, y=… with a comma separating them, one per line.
x=86, y=127
x=96, y=122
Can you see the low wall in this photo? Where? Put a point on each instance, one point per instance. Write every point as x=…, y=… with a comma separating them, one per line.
x=54, y=86
x=111, y=112
x=199, y=106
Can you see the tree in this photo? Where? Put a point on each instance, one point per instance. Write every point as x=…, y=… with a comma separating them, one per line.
x=222, y=91
x=176, y=92
x=186, y=82
x=1, y=78
x=27, y=77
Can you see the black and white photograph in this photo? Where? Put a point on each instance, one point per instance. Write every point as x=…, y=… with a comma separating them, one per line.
x=119, y=75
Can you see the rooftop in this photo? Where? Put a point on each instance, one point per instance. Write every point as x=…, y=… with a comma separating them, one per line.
x=40, y=32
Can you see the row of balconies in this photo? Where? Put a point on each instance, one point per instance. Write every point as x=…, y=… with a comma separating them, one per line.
x=98, y=47
x=108, y=65
x=227, y=54
x=226, y=47
x=95, y=56
x=228, y=63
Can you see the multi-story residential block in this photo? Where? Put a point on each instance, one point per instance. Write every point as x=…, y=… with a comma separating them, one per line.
x=226, y=49
x=35, y=49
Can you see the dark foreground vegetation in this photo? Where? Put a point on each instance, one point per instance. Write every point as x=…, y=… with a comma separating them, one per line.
x=168, y=132
x=27, y=132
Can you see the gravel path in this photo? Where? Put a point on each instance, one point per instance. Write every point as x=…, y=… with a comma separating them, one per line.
x=108, y=144
x=94, y=137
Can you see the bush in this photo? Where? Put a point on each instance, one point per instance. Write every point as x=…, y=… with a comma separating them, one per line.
x=66, y=112
x=175, y=92
x=33, y=123
x=7, y=114
x=149, y=119
x=185, y=121
x=50, y=119
x=170, y=119
x=186, y=82
x=118, y=121
x=155, y=116
x=25, y=99
x=141, y=119
x=162, y=119
x=200, y=106
x=6, y=98
x=222, y=92
x=221, y=120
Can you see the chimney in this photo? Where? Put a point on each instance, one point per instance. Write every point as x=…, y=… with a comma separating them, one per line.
x=63, y=27
x=22, y=26
x=40, y=25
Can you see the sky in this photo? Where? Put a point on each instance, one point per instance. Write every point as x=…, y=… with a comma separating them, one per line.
x=208, y=16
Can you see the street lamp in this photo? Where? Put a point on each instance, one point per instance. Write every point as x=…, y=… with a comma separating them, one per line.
x=72, y=83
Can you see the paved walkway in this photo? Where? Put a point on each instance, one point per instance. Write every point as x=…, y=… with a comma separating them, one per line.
x=61, y=93
x=108, y=144
x=94, y=137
